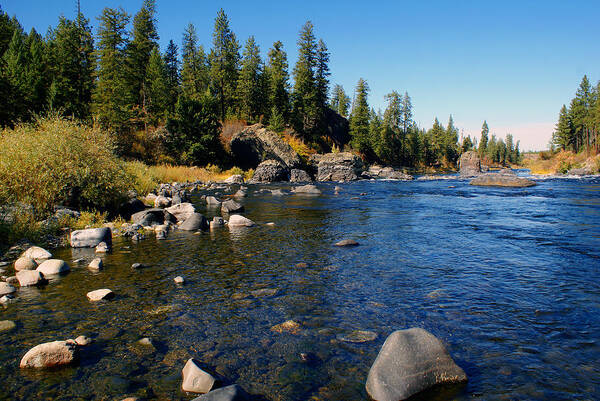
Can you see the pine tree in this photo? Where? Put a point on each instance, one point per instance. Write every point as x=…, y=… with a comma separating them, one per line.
x=564, y=134
x=144, y=40
x=72, y=67
x=340, y=102
x=483, y=142
x=278, y=84
x=450, y=144
x=15, y=61
x=406, y=113
x=322, y=83
x=194, y=71
x=224, y=65
x=249, y=85
x=579, y=113
x=305, y=105
x=173, y=77
x=157, y=90
x=110, y=96
x=359, y=120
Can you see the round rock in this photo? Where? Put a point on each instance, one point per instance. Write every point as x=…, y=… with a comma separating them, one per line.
x=99, y=295
x=25, y=263
x=29, y=278
x=53, y=266
x=7, y=325
x=49, y=355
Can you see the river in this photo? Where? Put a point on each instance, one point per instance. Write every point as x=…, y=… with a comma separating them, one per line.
x=508, y=279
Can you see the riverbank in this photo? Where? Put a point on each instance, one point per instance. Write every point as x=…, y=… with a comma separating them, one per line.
x=561, y=163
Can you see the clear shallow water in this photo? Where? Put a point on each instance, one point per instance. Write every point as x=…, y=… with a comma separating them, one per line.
x=507, y=278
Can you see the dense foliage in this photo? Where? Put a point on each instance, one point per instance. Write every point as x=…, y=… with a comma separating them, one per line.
x=579, y=124
x=161, y=108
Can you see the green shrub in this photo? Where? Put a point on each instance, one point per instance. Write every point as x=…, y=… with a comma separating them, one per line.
x=55, y=161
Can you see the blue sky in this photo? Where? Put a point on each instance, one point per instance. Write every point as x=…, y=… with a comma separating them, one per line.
x=512, y=63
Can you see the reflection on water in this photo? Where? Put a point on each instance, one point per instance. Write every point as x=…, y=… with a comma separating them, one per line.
x=507, y=278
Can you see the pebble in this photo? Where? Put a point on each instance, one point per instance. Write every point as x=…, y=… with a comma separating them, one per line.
x=146, y=341
x=302, y=265
x=137, y=266
x=7, y=325
x=96, y=264
x=179, y=280
x=102, y=248
x=83, y=341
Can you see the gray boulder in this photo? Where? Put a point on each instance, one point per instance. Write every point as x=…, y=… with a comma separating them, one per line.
x=231, y=206
x=229, y=393
x=132, y=206
x=29, y=278
x=270, y=171
x=50, y=355
x=255, y=144
x=53, y=266
x=343, y=166
x=213, y=202
x=501, y=180
x=91, y=237
x=182, y=211
x=195, y=222
x=240, y=194
x=388, y=173
x=235, y=179
x=469, y=164
x=162, y=201
x=153, y=217
x=297, y=175
x=409, y=362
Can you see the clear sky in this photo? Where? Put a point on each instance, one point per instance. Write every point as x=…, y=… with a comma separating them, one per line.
x=512, y=63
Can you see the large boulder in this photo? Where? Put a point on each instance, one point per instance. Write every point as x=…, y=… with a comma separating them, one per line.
x=182, y=211
x=29, y=278
x=270, y=171
x=91, y=237
x=25, y=263
x=255, y=144
x=231, y=206
x=50, y=355
x=229, y=393
x=195, y=222
x=343, y=166
x=132, y=206
x=501, y=180
x=297, y=175
x=195, y=380
x=36, y=253
x=469, y=164
x=389, y=173
x=153, y=217
x=53, y=267
x=409, y=362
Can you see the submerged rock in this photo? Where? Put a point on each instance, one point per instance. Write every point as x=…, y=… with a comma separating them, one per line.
x=7, y=325
x=347, y=242
x=358, y=336
x=53, y=266
x=502, y=180
x=307, y=189
x=288, y=326
x=91, y=237
x=50, y=355
x=264, y=292
x=229, y=393
x=195, y=380
x=409, y=362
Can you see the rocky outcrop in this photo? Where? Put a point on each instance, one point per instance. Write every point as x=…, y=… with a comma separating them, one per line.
x=195, y=380
x=195, y=222
x=501, y=180
x=91, y=237
x=386, y=173
x=342, y=166
x=297, y=175
x=50, y=355
x=409, y=362
x=53, y=266
x=469, y=164
x=255, y=144
x=153, y=217
x=270, y=171
x=229, y=393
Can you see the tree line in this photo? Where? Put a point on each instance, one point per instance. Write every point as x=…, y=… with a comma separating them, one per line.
x=578, y=125
x=170, y=106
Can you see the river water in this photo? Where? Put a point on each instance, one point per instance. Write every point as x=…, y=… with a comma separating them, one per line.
x=508, y=279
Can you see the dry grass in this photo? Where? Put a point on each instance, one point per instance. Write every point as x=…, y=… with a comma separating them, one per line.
x=544, y=163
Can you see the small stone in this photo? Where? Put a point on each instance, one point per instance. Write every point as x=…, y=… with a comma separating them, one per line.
x=77, y=261
x=49, y=355
x=137, y=266
x=25, y=263
x=96, y=264
x=102, y=247
x=347, y=242
x=7, y=325
x=270, y=224
x=161, y=235
x=12, y=280
x=301, y=265
x=6, y=288
x=6, y=299
x=146, y=342
x=83, y=341
x=195, y=380
x=98, y=295
x=264, y=292
x=53, y=266
x=179, y=280
x=29, y=278
x=239, y=295
x=289, y=326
